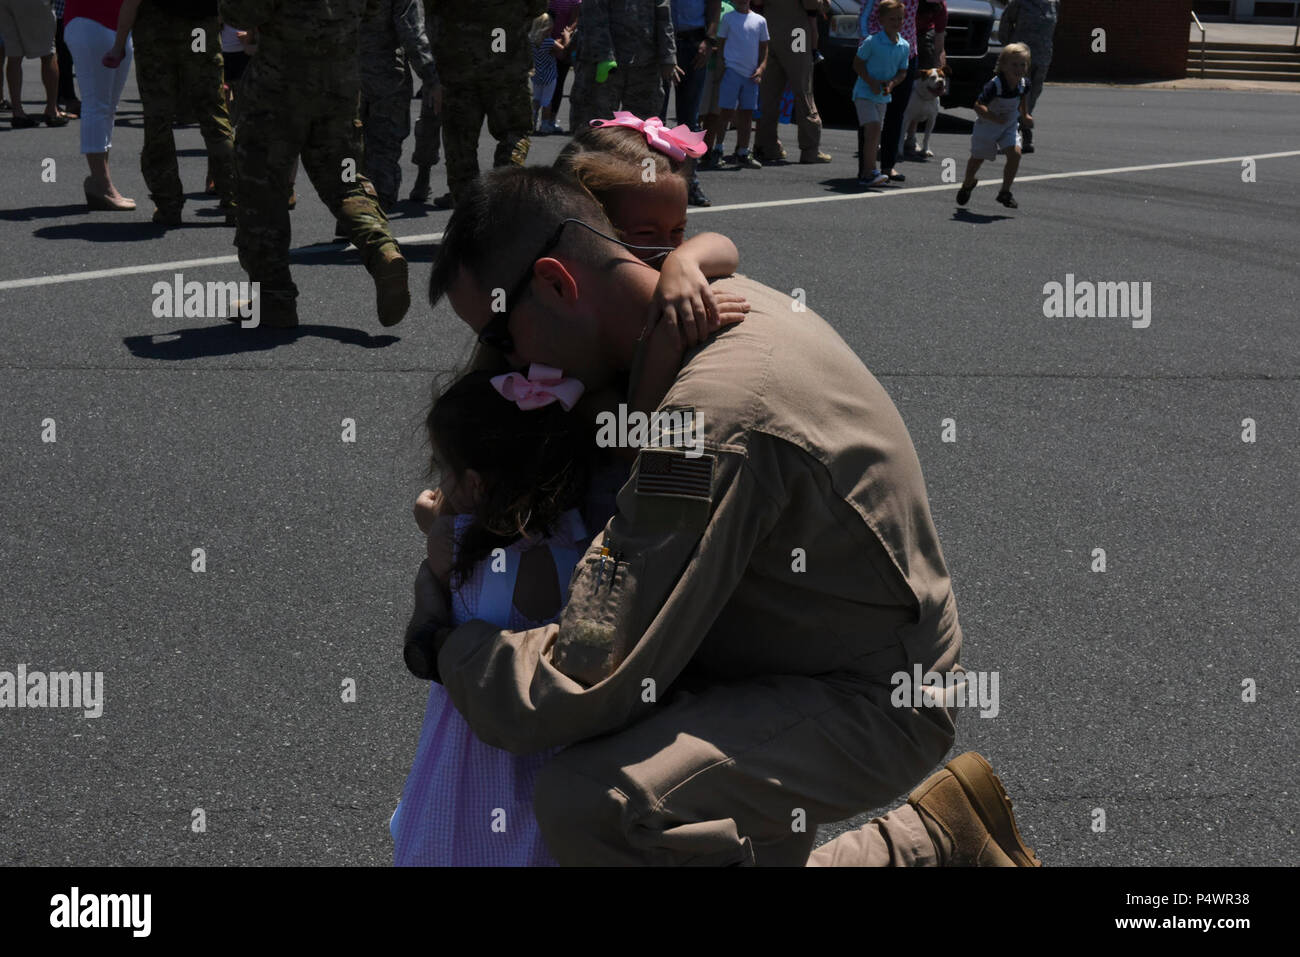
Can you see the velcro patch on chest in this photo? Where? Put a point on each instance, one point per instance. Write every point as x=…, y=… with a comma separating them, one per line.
x=674, y=472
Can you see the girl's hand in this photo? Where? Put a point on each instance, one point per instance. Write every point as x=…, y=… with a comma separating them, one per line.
x=428, y=508
x=684, y=297
x=732, y=307
x=114, y=57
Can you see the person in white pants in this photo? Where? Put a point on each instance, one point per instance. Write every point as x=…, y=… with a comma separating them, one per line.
x=90, y=32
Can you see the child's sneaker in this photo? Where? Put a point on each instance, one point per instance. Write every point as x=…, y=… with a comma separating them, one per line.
x=746, y=160
x=874, y=178
x=1006, y=199
x=963, y=194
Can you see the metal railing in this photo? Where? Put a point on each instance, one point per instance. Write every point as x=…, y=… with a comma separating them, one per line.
x=1197, y=21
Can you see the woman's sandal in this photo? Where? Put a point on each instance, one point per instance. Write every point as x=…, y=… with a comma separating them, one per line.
x=23, y=122
x=102, y=203
x=58, y=119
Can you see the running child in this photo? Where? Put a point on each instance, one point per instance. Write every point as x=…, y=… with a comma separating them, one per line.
x=1002, y=108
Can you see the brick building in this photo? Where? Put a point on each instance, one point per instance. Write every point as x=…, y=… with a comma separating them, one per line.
x=1144, y=39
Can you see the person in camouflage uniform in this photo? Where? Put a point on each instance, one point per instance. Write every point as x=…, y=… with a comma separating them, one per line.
x=391, y=37
x=179, y=71
x=428, y=126
x=1033, y=23
x=485, y=57
x=637, y=36
x=300, y=98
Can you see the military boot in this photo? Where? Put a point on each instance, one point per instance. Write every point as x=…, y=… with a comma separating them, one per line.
x=420, y=191
x=273, y=312
x=392, y=295
x=968, y=815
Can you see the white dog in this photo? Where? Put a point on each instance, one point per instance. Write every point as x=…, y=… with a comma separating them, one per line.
x=923, y=107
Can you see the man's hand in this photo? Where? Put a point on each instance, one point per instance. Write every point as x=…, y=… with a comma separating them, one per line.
x=671, y=73
x=701, y=55
x=1027, y=121
x=757, y=75
x=432, y=613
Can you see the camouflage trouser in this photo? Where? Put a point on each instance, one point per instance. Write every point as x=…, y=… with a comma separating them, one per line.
x=501, y=95
x=308, y=108
x=637, y=89
x=385, y=123
x=428, y=138
x=174, y=79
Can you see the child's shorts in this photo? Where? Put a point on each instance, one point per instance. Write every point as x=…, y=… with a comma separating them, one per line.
x=869, y=111
x=543, y=91
x=737, y=88
x=990, y=139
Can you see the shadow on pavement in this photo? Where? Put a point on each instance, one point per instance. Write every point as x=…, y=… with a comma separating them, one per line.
x=28, y=213
x=845, y=185
x=104, y=230
x=228, y=339
x=966, y=216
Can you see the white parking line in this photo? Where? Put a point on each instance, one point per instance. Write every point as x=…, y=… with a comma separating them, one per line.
x=766, y=204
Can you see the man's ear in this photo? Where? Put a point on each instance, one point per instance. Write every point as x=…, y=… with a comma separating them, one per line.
x=554, y=282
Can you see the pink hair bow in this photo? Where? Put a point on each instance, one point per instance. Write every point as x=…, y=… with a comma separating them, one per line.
x=678, y=142
x=543, y=386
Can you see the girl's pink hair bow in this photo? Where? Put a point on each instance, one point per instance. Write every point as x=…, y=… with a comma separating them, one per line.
x=543, y=386
x=677, y=143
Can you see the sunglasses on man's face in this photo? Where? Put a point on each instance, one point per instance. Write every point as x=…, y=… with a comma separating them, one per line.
x=497, y=332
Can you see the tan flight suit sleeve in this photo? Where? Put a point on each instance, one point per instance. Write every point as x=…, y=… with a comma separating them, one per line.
x=676, y=559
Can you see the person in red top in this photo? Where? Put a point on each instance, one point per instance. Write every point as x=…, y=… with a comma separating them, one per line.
x=90, y=28
x=931, y=15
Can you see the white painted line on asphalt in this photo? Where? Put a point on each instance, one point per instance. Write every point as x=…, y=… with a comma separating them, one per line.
x=908, y=190
x=696, y=211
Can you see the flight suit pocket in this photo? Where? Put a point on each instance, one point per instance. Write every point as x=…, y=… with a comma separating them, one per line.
x=593, y=638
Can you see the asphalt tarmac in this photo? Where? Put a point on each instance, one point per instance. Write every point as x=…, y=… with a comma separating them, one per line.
x=1120, y=691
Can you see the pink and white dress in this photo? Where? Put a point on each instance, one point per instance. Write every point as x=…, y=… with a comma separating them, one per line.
x=466, y=803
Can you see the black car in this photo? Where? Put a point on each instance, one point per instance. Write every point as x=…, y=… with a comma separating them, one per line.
x=971, y=44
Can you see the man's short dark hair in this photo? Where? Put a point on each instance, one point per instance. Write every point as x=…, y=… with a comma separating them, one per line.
x=503, y=221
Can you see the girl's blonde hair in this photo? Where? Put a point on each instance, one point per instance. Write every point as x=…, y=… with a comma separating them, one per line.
x=540, y=29
x=1013, y=51
x=607, y=158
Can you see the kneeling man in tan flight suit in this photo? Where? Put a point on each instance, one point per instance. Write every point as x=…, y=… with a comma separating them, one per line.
x=764, y=585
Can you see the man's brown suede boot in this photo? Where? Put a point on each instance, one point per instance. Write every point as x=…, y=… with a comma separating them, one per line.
x=968, y=815
x=392, y=295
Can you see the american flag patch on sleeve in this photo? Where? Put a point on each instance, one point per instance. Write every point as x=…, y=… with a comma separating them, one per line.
x=671, y=472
